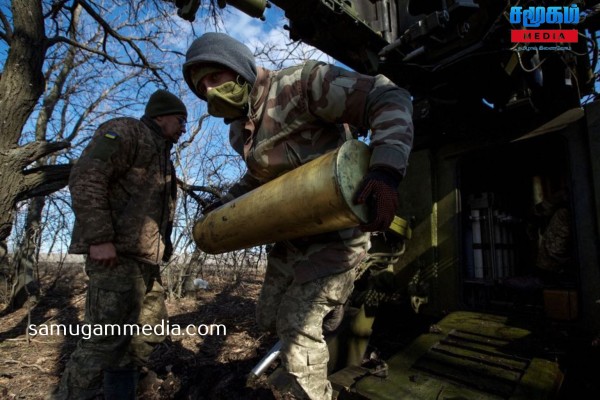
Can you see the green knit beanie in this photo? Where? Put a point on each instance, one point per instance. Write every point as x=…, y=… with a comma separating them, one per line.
x=164, y=103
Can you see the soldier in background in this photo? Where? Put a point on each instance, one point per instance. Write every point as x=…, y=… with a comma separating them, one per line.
x=555, y=243
x=278, y=121
x=550, y=231
x=123, y=191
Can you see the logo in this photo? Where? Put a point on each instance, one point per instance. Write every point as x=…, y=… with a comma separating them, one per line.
x=534, y=17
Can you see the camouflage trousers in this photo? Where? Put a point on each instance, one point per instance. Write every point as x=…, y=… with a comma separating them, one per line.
x=296, y=311
x=130, y=293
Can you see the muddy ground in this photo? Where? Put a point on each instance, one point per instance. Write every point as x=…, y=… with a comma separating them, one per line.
x=214, y=366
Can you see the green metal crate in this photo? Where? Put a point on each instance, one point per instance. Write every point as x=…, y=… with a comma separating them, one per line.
x=466, y=356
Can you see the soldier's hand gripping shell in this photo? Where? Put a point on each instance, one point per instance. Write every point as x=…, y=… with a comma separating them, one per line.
x=378, y=190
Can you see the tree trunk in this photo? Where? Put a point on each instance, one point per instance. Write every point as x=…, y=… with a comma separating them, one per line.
x=21, y=86
x=25, y=284
x=25, y=261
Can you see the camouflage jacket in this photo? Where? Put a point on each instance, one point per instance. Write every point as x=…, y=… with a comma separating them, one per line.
x=295, y=116
x=123, y=190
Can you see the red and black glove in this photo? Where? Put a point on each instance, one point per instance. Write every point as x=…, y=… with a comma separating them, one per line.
x=379, y=190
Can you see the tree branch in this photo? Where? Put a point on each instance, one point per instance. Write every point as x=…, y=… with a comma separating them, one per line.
x=195, y=131
x=110, y=31
x=36, y=150
x=61, y=39
x=105, y=93
x=56, y=7
x=44, y=180
x=67, y=65
x=191, y=189
x=8, y=33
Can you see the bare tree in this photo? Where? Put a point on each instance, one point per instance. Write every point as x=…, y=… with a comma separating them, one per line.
x=206, y=168
x=32, y=29
x=64, y=85
x=73, y=63
x=65, y=63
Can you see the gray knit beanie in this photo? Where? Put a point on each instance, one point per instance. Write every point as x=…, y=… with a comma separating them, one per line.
x=162, y=102
x=222, y=49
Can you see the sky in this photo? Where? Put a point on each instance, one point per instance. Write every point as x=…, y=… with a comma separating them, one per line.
x=251, y=31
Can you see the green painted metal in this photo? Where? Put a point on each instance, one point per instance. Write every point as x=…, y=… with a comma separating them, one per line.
x=466, y=355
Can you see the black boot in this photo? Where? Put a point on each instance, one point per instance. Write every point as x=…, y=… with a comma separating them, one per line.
x=120, y=384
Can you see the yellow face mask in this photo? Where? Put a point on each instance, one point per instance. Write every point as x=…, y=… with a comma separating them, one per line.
x=229, y=100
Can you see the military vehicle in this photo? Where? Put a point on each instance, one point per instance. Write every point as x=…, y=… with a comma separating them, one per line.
x=506, y=134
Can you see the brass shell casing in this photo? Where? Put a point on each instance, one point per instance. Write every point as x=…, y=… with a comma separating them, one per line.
x=311, y=199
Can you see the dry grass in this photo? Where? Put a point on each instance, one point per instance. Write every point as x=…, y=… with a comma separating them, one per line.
x=183, y=367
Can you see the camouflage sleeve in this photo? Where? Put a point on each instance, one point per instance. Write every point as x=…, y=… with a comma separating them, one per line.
x=106, y=156
x=375, y=103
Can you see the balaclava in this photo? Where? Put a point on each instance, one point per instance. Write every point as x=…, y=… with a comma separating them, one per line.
x=219, y=48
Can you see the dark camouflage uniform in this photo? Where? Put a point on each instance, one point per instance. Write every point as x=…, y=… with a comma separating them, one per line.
x=554, y=252
x=295, y=116
x=123, y=191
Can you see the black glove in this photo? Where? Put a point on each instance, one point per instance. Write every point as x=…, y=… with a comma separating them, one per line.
x=212, y=206
x=379, y=190
x=333, y=319
x=168, y=251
